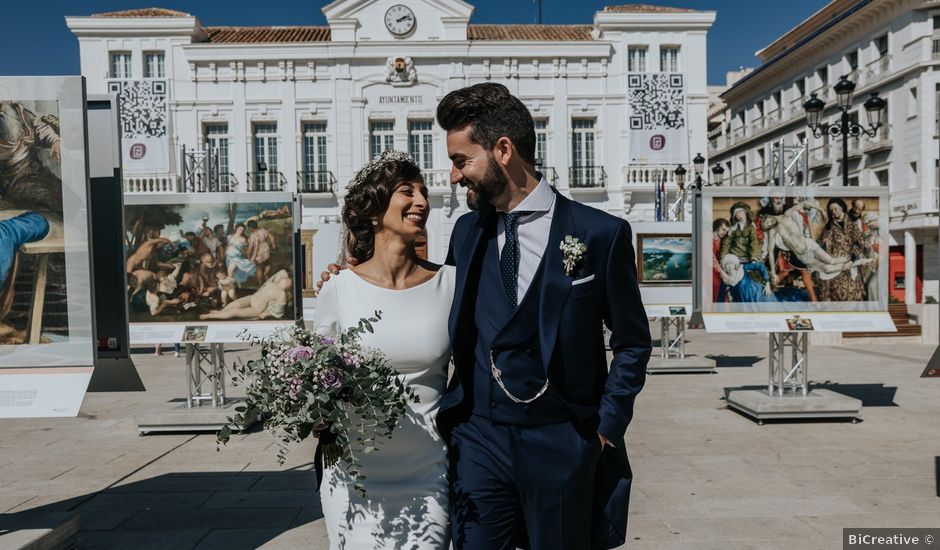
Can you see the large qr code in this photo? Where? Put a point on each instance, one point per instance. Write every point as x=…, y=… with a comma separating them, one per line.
x=143, y=107
x=657, y=101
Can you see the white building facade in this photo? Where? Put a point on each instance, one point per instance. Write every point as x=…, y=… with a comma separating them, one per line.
x=891, y=47
x=302, y=108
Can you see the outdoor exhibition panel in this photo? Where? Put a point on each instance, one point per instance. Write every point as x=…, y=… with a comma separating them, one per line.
x=209, y=267
x=791, y=259
x=664, y=267
x=47, y=348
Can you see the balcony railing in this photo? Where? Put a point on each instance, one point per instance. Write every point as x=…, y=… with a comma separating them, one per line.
x=819, y=156
x=644, y=176
x=152, y=184
x=226, y=183
x=877, y=68
x=822, y=92
x=320, y=181
x=737, y=134
x=757, y=124
x=739, y=179
x=795, y=109
x=758, y=175
x=437, y=179
x=587, y=177
x=550, y=174
x=881, y=141
x=855, y=146
x=266, y=181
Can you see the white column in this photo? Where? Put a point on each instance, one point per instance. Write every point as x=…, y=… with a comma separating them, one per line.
x=910, y=268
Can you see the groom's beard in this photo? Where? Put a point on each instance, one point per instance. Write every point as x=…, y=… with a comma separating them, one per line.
x=490, y=186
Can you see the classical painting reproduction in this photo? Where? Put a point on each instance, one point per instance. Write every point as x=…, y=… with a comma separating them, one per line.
x=664, y=259
x=33, y=304
x=798, y=323
x=794, y=252
x=195, y=333
x=218, y=257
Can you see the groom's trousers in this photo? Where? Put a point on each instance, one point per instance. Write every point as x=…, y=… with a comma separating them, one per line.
x=511, y=481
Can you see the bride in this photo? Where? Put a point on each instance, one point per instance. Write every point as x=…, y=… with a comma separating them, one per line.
x=385, y=212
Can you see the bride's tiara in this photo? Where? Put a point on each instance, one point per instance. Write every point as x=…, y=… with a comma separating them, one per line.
x=387, y=157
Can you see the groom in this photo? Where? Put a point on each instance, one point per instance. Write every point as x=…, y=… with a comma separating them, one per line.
x=534, y=415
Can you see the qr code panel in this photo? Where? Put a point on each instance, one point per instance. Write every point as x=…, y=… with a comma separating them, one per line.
x=143, y=107
x=657, y=101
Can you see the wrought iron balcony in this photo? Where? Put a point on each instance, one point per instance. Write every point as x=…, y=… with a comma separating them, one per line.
x=587, y=177
x=550, y=174
x=320, y=181
x=266, y=181
x=225, y=183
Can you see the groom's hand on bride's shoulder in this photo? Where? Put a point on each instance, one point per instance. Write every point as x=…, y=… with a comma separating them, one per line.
x=333, y=269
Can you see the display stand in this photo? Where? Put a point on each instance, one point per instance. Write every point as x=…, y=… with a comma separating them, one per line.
x=672, y=357
x=206, y=408
x=205, y=367
x=788, y=395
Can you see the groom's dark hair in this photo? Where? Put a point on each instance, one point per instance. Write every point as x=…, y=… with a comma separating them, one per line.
x=492, y=112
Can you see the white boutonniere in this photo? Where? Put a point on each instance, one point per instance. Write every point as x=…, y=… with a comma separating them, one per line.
x=573, y=250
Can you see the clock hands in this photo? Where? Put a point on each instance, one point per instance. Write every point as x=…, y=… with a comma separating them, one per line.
x=402, y=18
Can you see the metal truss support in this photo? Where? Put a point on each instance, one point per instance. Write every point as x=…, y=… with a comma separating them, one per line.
x=788, y=359
x=672, y=344
x=205, y=374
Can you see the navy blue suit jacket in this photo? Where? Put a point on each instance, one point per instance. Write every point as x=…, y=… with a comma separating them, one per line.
x=571, y=319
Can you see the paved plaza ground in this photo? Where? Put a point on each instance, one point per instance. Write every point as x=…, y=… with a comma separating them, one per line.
x=706, y=477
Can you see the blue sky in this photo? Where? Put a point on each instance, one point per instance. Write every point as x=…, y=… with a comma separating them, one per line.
x=44, y=46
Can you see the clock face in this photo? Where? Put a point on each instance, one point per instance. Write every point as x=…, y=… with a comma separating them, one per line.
x=399, y=20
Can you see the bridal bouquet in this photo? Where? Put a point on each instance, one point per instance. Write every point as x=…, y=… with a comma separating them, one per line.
x=304, y=381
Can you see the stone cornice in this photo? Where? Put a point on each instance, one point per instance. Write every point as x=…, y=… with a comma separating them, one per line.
x=135, y=26
x=612, y=21
x=203, y=52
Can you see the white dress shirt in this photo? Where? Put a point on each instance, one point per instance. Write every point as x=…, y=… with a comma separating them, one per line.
x=532, y=232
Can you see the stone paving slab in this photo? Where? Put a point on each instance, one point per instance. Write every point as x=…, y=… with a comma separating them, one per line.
x=705, y=476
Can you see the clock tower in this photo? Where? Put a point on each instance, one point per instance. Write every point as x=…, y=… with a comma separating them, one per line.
x=398, y=20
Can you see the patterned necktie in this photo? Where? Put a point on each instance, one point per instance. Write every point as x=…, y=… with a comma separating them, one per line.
x=509, y=258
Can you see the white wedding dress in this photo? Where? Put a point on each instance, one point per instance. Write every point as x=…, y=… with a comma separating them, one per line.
x=406, y=479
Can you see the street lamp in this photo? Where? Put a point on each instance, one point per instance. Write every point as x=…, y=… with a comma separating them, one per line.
x=680, y=176
x=874, y=107
x=717, y=172
x=698, y=165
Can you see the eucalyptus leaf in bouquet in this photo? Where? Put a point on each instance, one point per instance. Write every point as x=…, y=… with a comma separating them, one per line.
x=306, y=381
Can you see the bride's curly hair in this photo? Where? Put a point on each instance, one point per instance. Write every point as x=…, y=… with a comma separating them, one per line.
x=368, y=199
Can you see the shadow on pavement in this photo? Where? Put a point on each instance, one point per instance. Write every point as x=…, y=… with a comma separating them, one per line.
x=722, y=361
x=184, y=510
x=871, y=395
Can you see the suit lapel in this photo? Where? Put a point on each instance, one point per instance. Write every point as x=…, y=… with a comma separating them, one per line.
x=465, y=257
x=556, y=285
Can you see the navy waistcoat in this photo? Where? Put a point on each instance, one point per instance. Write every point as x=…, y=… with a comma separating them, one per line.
x=513, y=339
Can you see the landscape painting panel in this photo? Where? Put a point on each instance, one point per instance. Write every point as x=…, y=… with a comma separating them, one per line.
x=33, y=304
x=216, y=261
x=665, y=259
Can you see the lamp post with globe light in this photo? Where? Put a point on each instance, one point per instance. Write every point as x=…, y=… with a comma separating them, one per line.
x=875, y=108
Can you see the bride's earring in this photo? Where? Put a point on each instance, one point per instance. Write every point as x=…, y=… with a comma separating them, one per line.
x=375, y=221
